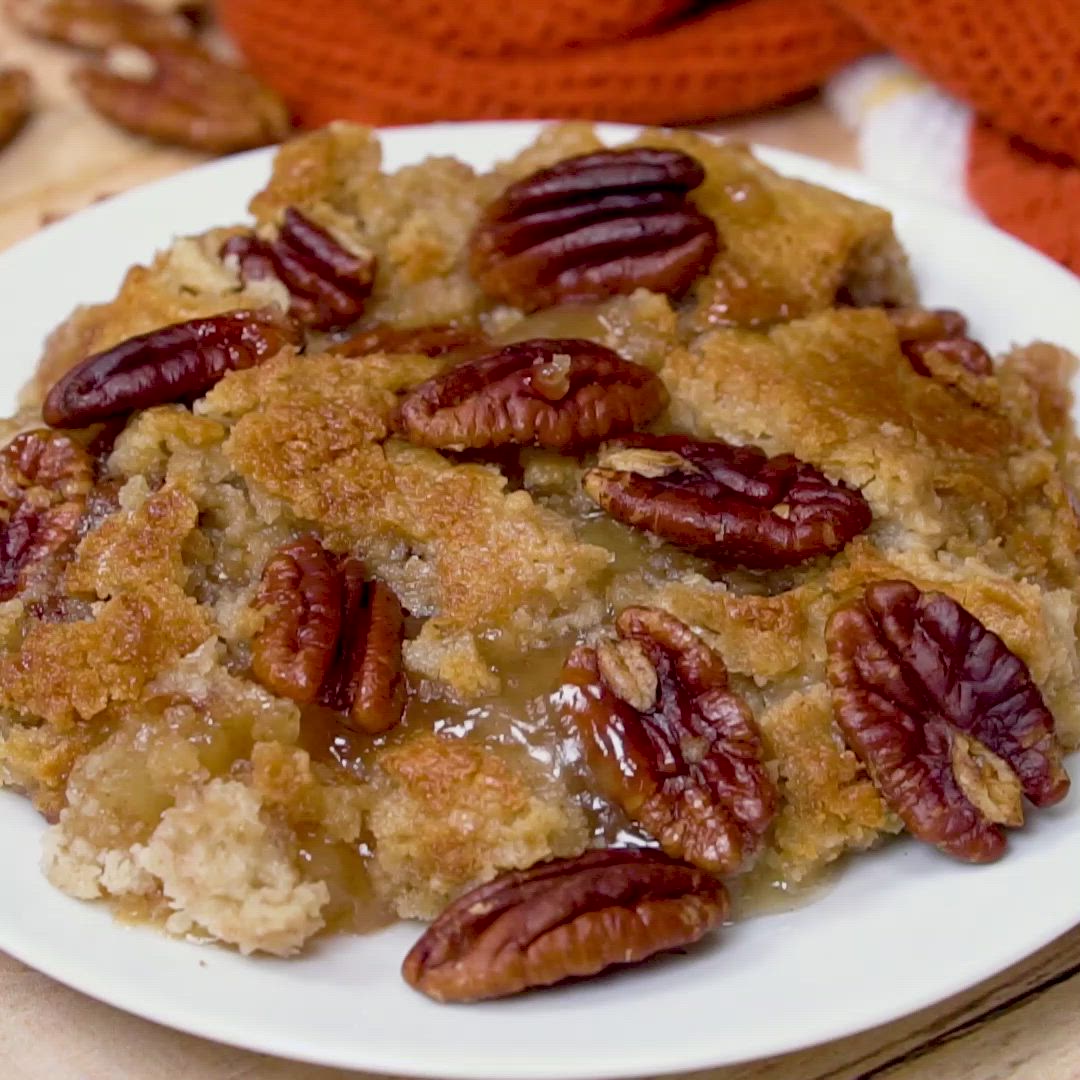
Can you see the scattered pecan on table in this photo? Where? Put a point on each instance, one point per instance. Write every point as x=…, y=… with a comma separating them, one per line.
x=331, y=635
x=327, y=283
x=16, y=94
x=97, y=24
x=568, y=918
x=948, y=721
x=179, y=93
x=669, y=741
x=174, y=363
x=558, y=393
x=45, y=479
x=940, y=331
x=732, y=504
x=595, y=226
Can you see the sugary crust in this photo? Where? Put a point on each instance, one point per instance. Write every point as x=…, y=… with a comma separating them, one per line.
x=939, y=471
x=144, y=619
x=456, y=520
x=447, y=816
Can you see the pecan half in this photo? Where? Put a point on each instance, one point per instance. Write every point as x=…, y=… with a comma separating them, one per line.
x=366, y=680
x=559, y=393
x=427, y=340
x=941, y=331
x=669, y=741
x=730, y=503
x=181, y=94
x=45, y=479
x=564, y=919
x=96, y=24
x=331, y=636
x=948, y=721
x=328, y=283
x=300, y=594
x=175, y=363
x=595, y=226
x=16, y=92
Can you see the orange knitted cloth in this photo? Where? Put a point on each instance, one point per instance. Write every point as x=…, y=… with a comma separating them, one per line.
x=679, y=61
x=406, y=61
x=1017, y=63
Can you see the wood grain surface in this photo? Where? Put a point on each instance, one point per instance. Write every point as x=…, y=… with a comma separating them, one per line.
x=1023, y=1025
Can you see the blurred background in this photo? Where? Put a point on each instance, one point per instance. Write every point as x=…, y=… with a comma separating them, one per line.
x=972, y=102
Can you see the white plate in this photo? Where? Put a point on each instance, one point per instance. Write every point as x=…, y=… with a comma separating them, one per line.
x=904, y=928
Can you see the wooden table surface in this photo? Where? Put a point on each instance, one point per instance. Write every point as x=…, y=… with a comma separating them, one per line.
x=1023, y=1025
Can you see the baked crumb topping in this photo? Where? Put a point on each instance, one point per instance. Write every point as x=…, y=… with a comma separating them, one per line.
x=187, y=793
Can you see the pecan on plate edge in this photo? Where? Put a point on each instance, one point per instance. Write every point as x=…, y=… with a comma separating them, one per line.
x=170, y=364
x=45, y=480
x=568, y=918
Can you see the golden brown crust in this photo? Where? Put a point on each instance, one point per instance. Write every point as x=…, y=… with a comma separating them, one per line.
x=938, y=470
x=454, y=815
x=830, y=806
x=132, y=563
x=799, y=243
x=457, y=519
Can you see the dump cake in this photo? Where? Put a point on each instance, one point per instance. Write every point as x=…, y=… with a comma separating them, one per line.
x=570, y=554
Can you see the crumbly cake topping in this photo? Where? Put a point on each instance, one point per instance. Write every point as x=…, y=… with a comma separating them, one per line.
x=191, y=792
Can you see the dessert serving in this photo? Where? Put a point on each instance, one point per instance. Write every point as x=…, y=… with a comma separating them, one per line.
x=576, y=555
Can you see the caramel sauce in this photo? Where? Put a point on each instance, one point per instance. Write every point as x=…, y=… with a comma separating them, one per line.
x=353, y=907
x=760, y=893
x=141, y=910
x=524, y=719
x=565, y=321
x=745, y=197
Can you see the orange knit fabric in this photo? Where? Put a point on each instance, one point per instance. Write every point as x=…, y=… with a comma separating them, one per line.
x=385, y=63
x=1017, y=62
x=1028, y=192
x=509, y=28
